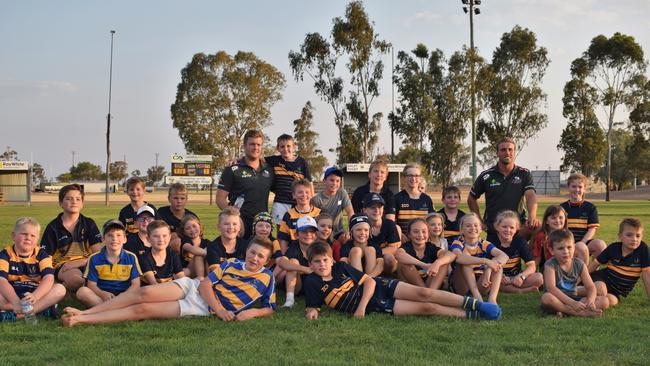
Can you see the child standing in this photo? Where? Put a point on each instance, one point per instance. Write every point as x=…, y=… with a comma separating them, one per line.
x=160, y=264
x=554, y=219
x=477, y=261
x=112, y=270
x=194, y=248
x=561, y=276
x=359, y=252
x=71, y=238
x=334, y=199
x=135, y=189
x=626, y=261
x=451, y=212
x=411, y=203
x=343, y=288
x=26, y=274
x=302, y=191
x=432, y=261
x=516, y=248
x=582, y=219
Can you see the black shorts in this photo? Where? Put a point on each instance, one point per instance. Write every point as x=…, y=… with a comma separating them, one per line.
x=383, y=299
x=601, y=276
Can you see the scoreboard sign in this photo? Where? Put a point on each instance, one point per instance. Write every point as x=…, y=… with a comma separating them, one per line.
x=191, y=165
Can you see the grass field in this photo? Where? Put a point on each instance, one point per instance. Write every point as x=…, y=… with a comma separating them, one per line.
x=523, y=336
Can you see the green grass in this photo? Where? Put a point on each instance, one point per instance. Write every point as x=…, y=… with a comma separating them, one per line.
x=523, y=336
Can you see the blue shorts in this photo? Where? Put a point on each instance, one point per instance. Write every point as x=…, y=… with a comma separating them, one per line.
x=383, y=299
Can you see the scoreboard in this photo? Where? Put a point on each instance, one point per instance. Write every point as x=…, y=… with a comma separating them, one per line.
x=191, y=169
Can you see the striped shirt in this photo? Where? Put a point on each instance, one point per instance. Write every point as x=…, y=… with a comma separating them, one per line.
x=516, y=251
x=25, y=273
x=343, y=292
x=286, y=172
x=623, y=272
x=238, y=289
x=580, y=217
x=407, y=208
x=288, y=229
x=112, y=277
x=452, y=228
x=482, y=249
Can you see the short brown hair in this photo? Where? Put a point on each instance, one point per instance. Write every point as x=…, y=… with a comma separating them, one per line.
x=324, y=216
x=177, y=188
x=229, y=211
x=251, y=134
x=265, y=243
x=504, y=140
x=558, y=236
x=576, y=176
x=450, y=189
x=156, y=224
x=70, y=187
x=133, y=181
x=319, y=247
x=284, y=137
x=378, y=163
x=631, y=222
x=180, y=230
x=301, y=183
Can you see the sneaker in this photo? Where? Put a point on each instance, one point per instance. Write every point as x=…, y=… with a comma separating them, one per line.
x=288, y=304
x=7, y=316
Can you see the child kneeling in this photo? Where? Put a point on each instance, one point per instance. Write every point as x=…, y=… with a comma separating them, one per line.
x=346, y=289
x=225, y=293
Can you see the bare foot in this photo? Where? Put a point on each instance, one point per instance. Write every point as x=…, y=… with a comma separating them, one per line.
x=68, y=320
x=559, y=314
x=71, y=311
x=529, y=289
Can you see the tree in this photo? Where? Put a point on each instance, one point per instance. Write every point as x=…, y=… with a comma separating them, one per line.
x=38, y=174
x=352, y=36
x=9, y=154
x=155, y=174
x=306, y=141
x=582, y=141
x=219, y=98
x=614, y=66
x=86, y=170
x=64, y=177
x=118, y=170
x=512, y=90
x=136, y=173
x=629, y=159
x=355, y=35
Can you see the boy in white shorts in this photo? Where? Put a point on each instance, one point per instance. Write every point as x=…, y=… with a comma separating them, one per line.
x=188, y=297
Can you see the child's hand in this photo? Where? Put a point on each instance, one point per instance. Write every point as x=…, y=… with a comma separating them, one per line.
x=433, y=269
x=225, y=315
x=29, y=297
x=577, y=305
x=517, y=281
x=505, y=280
x=16, y=307
x=485, y=281
x=311, y=314
x=591, y=305
x=105, y=295
x=494, y=265
x=244, y=315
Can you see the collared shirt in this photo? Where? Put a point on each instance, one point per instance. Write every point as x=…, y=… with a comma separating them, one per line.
x=254, y=185
x=165, y=272
x=334, y=206
x=238, y=289
x=517, y=251
x=165, y=213
x=25, y=273
x=112, y=277
x=580, y=217
x=217, y=254
x=343, y=292
x=502, y=192
x=407, y=208
x=480, y=249
x=65, y=246
x=128, y=217
x=286, y=172
x=288, y=226
x=623, y=272
x=386, y=194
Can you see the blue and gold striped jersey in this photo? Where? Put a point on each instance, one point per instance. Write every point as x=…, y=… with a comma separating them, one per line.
x=407, y=208
x=286, y=172
x=623, y=272
x=238, y=289
x=25, y=273
x=343, y=292
x=516, y=251
x=288, y=230
x=481, y=249
x=112, y=277
x=580, y=217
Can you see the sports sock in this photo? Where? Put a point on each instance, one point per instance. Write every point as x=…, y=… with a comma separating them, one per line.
x=289, y=301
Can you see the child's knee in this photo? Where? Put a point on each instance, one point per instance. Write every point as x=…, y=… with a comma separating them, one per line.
x=601, y=288
x=548, y=299
x=356, y=252
x=83, y=293
x=613, y=300
x=536, y=279
x=58, y=290
x=596, y=246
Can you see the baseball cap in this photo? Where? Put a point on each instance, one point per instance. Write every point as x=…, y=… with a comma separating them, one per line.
x=112, y=224
x=146, y=208
x=333, y=170
x=306, y=223
x=372, y=199
x=358, y=219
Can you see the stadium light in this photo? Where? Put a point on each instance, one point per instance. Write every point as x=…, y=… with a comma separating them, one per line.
x=472, y=9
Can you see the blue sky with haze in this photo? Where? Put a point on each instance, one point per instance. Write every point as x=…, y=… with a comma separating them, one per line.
x=55, y=59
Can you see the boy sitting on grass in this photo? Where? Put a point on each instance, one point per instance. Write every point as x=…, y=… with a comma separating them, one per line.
x=561, y=275
x=112, y=270
x=229, y=292
x=626, y=261
x=26, y=273
x=294, y=261
x=161, y=263
x=71, y=238
x=343, y=288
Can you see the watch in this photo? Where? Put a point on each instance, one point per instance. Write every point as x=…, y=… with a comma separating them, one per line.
x=523, y=276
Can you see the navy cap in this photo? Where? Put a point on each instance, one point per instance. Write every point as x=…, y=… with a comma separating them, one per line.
x=112, y=224
x=333, y=170
x=372, y=199
x=358, y=219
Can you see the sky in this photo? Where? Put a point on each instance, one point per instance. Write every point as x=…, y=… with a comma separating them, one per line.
x=54, y=64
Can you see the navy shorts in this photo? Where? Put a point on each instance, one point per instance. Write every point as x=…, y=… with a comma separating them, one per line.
x=602, y=277
x=383, y=300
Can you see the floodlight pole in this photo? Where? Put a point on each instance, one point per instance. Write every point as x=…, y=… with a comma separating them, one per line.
x=472, y=10
x=108, y=123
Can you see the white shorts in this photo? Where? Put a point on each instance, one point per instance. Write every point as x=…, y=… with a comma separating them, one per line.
x=192, y=304
x=278, y=210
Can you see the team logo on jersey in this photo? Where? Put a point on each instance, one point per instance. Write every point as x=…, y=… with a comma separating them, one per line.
x=486, y=177
x=404, y=205
x=234, y=168
x=516, y=180
x=324, y=288
x=494, y=183
x=245, y=174
x=265, y=173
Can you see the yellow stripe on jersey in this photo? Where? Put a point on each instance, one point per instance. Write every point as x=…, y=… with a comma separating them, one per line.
x=244, y=287
x=280, y=170
x=625, y=270
x=4, y=265
x=334, y=296
x=512, y=262
x=116, y=272
x=449, y=233
x=23, y=278
x=411, y=214
x=223, y=291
